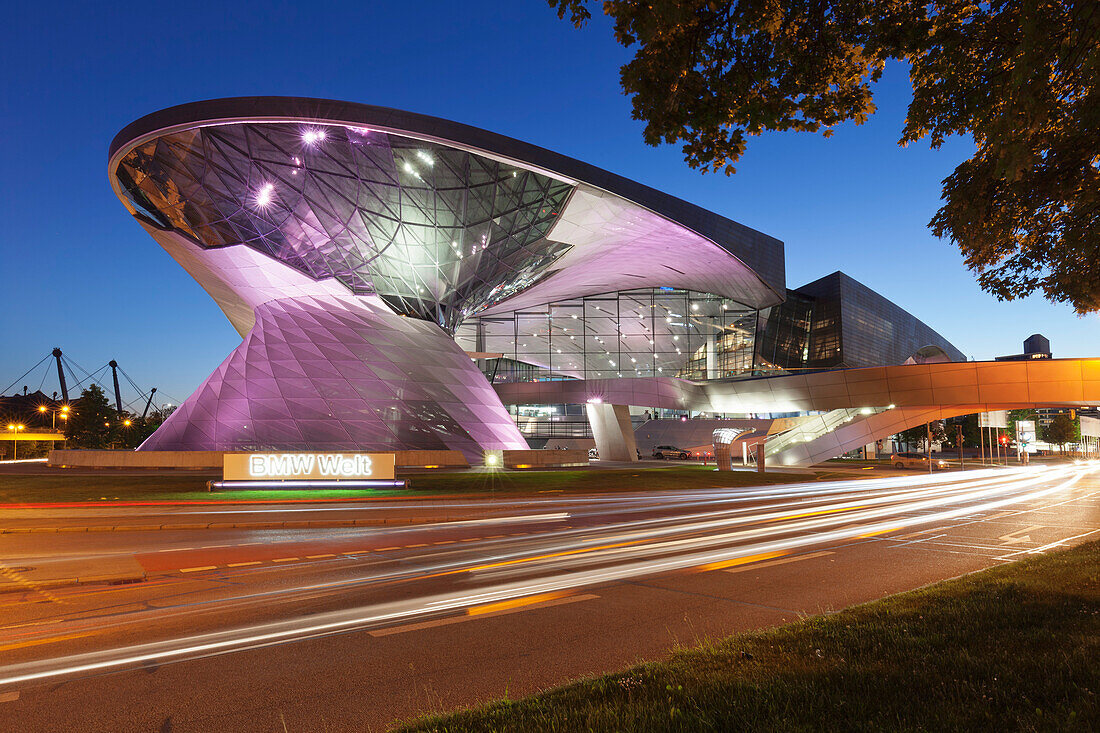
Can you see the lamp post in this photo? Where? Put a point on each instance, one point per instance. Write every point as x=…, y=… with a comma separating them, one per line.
x=15, y=440
x=63, y=409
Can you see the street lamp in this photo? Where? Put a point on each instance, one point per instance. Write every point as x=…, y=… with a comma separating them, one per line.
x=15, y=440
x=54, y=411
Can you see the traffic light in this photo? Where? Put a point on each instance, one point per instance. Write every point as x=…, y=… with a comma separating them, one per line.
x=1004, y=440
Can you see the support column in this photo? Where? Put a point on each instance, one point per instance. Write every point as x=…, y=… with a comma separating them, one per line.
x=712, y=357
x=613, y=432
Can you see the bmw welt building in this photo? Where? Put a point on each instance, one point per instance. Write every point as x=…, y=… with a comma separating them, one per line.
x=405, y=282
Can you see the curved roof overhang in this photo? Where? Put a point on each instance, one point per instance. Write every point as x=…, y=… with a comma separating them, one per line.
x=623, y=234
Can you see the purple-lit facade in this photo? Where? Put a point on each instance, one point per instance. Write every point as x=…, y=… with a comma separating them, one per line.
x=350, y=246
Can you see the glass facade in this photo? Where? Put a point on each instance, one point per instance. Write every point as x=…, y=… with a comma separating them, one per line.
x=634, y=333
x=438, y=233
x=853, y=326
x=833, y=323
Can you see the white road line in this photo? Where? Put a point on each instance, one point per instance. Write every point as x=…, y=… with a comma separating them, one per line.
x=1051, y=546
x=1020, y=535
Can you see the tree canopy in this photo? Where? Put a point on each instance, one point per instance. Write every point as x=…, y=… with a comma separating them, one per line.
x=1022, y=77
x=89, y=424
x=1061, y=430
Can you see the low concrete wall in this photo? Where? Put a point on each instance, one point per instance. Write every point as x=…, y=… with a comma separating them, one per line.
x=545, y=458
x=430, y=459
x=211, y=460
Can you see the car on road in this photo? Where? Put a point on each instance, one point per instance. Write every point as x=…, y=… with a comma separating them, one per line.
x=915, y=460
x=671, y=451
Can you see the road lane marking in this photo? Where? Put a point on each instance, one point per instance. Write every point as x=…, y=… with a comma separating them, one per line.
x=723, y=564
x=1020, y=535
x=819, y=513
x=506, y=563
x=284, y=559
x=876, y=533
x=38, y=642
x=409, y=547
x=468, y=617
x=317, y=557
x=444, y=542
x=195, y=570
x=782, y=561
x=926, y=531
x=385, y=549
x=516, y=603
x=242, y=564
x=1051, y=546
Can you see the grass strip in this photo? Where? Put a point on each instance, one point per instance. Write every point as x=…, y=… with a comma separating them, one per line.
x=1015, y=647
x=157, y=486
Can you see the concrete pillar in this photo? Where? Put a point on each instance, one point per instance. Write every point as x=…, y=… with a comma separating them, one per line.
x=712, y=357
x=613, y=432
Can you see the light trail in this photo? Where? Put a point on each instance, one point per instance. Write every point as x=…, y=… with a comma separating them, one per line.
x=652, y=549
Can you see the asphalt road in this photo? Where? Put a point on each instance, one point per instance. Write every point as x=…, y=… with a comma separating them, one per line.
x=354, y=628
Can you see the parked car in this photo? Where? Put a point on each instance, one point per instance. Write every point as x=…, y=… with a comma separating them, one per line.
x=915, y=460
x=593, y=453
x=671, y=451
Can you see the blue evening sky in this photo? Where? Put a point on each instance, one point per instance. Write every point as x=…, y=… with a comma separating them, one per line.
x=78, y=273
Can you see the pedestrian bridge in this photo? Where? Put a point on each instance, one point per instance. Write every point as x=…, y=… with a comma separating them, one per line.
x=876, y=402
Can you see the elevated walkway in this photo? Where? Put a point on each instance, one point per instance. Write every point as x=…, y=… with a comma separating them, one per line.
x=860, y=405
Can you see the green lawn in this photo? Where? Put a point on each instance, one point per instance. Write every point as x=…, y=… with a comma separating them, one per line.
x=1013, y=648
x=158, y=486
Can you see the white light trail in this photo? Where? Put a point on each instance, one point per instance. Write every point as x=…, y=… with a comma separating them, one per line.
x=856, y=518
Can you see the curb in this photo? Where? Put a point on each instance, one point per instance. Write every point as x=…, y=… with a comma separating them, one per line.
x=31, y=586
x=309, y=524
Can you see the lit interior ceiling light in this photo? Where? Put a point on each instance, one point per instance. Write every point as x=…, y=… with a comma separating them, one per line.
x=695, y=306
x=263, y=196
x=312, y=137
x=423, y=155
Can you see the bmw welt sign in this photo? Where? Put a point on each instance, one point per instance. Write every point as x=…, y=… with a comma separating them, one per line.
x=303, y=466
